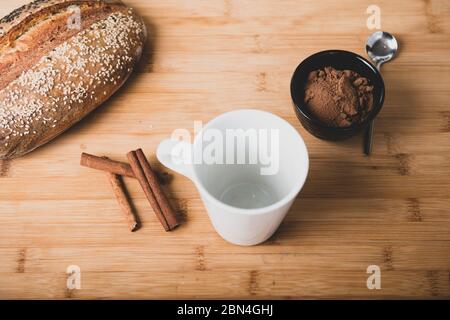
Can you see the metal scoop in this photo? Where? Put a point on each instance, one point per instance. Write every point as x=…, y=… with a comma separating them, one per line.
x=380, y=47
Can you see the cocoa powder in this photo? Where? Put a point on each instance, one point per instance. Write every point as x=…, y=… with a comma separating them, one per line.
x=338, y=98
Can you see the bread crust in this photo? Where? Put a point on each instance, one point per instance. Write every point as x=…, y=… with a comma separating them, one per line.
x=38, y=7
x=50, y=85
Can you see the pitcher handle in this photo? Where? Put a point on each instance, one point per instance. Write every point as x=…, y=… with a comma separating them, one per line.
x=177, y=156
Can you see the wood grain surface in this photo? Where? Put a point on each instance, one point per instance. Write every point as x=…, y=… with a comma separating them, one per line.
x=206, y=57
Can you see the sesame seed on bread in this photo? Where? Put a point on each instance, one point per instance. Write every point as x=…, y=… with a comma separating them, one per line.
x=54, y=75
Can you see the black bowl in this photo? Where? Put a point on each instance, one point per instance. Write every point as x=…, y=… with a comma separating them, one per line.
x=340, y=60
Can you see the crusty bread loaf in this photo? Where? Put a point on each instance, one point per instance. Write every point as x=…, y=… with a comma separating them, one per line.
x=55, y=68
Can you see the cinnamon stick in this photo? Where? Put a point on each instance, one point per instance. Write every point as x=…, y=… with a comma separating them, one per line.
x=152, y=178
x=149, y=183
x=123, y=200
x=105, y=164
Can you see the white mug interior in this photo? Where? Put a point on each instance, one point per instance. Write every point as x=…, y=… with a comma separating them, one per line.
x=252, y=184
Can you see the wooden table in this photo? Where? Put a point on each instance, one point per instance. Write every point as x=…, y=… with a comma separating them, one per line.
x=391, y=209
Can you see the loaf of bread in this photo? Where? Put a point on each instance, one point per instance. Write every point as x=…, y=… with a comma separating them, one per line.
x=59, y=60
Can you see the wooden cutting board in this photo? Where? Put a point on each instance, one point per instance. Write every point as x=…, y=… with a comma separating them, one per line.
x=391, y=209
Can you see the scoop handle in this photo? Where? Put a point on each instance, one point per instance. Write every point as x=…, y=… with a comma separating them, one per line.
x=368, y=134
